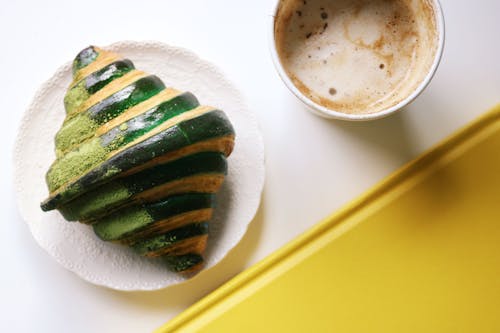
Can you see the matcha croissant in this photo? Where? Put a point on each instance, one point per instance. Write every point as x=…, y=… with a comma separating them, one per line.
x=139, y=162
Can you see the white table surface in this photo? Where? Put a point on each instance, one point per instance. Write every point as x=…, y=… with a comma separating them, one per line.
x=313, y=165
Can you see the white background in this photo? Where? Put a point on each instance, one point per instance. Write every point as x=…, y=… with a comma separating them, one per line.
x=313, y=165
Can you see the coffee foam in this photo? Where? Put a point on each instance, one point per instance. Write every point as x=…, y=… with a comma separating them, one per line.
x=356, y=56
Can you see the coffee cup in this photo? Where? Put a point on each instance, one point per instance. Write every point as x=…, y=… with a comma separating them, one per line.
x=357, y=59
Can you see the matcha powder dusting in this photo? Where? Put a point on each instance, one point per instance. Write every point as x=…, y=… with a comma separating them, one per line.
x=95, y=201
x=74, y=132
x=115, y=226
x=75, y=97
x=75, y=163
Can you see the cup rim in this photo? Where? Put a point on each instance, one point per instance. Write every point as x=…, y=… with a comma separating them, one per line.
x=332, y=114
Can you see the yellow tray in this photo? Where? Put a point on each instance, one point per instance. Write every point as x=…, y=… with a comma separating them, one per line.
x=418, y=253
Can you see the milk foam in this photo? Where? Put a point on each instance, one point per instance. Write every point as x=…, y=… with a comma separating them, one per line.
x=355, y=56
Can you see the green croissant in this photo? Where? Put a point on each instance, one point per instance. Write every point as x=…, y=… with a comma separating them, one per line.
x=138, y=161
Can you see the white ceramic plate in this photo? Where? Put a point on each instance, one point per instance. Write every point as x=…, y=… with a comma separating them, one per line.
x=74, y=245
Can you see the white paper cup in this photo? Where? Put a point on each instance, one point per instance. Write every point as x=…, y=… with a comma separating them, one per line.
x=323, y=111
